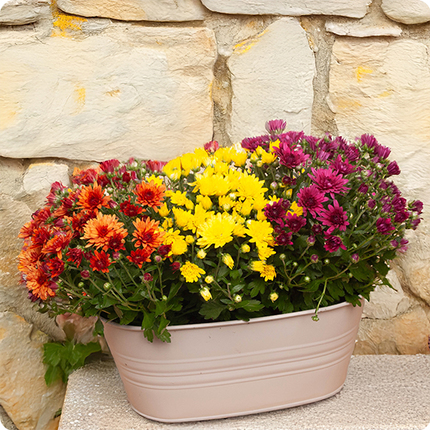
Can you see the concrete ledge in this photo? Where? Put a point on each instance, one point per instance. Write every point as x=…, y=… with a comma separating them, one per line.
x=385, y=392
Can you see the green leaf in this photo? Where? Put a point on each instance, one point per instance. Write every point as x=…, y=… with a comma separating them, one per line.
x=251, y=305
x=382, y=268
x=258, y=287
x=234, y=274
x=52, y=374
x=211, y=310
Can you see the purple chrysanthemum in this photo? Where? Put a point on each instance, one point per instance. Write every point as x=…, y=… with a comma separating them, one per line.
x=369, y=140
x=334, y=217
x=393, y=169
x=333, y=243
x=311, y=199
x=417, y=206
x=284, y=239
x=328, y=181
x=252, y=143
x=382, y=151
x=384, y=226
x=295, y=222
x=277, y=211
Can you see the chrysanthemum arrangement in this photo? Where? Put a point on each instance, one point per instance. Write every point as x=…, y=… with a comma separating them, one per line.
x=284, y=222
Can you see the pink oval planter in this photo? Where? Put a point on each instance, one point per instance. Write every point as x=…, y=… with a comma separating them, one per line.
x=225, y=369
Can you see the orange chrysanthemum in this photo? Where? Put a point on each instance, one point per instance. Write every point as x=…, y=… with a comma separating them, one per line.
x=92, y=198
x=147, y=234
x=101, y=230
x=56, y=244
x=150, y=194
x=28, y=258
x=39, y=283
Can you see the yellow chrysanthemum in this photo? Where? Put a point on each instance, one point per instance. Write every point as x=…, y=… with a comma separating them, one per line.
x=182, y=217
x=199, y=217
x=295, y=209
x=250, y=186
x=205, y=201
x=245, y=207
x=266, y=157
x=191, y=272
x=177, y=241
x=239, y=157
x=217, y=230
x=260, y=232
x=157, y=180
x=212, y=185
x=164, y=210
x=173, y=169
x=226, y=203
x=274, y=296
x=267, y=271
x=223, y=154
x=264, y=252
x=259, y=202
x=177, y=198
x=189, y=162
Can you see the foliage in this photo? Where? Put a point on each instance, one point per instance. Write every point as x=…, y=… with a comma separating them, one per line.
x=284, y=222
x=62, y=358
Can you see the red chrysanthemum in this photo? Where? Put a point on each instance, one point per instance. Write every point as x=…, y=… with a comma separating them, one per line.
x=129, y=209
x=295, y=222
x=55, y=267
x=140, y=256
x=40, y=283
x=75, y=255
x=100, y=262
x=56, y=244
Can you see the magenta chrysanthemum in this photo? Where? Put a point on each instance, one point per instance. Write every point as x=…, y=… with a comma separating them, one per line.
x=290, y=156
x=328, y=181
x=334, y=217
x=275, y=126
x=311, y=199
x=384, y=226
x=342, y=167
x=333, y=243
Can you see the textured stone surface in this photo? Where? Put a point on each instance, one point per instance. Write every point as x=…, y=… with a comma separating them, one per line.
x=405, y=334
x=40, y=176
x=136, y=10
x=356, y=9
x=13, y=296
x=375, y=23
x=407, y=12
x=23, y=392
x=18, y=12
x=128, y=91
x=11, y=176
x=386, y=303
x=383, y=88
x=271, y=77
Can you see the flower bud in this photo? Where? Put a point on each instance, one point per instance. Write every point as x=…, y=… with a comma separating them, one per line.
x=355, y=258
x=283, y=257
x=85, y=274
x=237, y=298
x=158, y=259
x=326, y=261
x=189, y=239
x=273, y=297
x=205, y=293
x=164, y=297
x=314, y=258
x=273, y=185
x=201, y=254
x=295, y=264
x=147, y=277
x=315, y=318
x=310, y=240
x=245, y=248
x=307, y=279
x=209, y=279
x=106, y=285
x=81, y=285
x=228, y=261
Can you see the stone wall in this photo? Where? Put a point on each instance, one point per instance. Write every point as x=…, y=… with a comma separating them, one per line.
x=87, y=80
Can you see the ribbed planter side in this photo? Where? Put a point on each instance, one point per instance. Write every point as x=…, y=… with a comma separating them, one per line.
x=225, y=369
